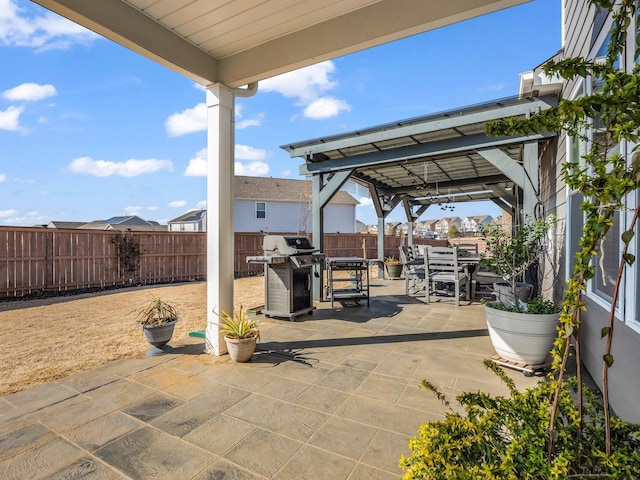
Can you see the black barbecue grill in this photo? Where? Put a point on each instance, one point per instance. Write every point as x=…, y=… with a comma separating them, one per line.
x=288, y=264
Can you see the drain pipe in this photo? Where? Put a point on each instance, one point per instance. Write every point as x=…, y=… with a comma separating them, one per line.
x=245, y=92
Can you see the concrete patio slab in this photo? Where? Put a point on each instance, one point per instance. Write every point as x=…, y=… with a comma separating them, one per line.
x=333, y=395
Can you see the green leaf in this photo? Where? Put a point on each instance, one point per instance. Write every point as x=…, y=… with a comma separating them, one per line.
x=627, y=236
x=608, y=359
x=629, y=258
x=604, y=332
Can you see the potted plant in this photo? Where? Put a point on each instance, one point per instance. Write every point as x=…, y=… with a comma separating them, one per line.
x=158, y=319
x=522, y=330
x=241, y=333
x=394, y=267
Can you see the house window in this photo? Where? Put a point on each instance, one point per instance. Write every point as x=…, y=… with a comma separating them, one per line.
x=261, y=210
x=607, y=258
x=577, y=148
x=182, y=227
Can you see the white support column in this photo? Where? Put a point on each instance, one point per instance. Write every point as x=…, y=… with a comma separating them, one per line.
x=220, y=198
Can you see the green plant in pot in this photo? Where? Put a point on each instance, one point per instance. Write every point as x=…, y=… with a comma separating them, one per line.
x=522, y=329
x=241, y=334
x=510, y=255
x=158, y=319
x=393, y=266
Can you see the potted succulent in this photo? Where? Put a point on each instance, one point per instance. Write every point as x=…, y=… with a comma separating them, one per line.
x=241, y=334
x=158, y=319
x=394, y=267
x=522, y=329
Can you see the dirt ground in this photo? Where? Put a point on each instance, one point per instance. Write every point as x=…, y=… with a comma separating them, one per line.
x=46, y=339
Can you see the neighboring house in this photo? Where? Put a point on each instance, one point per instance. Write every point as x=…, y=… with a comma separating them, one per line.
x=585, y=34
x=126, y=222
x=444, y=224
x=393, y=228
x=192, y=221
x=426, y=228
x=360, y=227
x=284, y=205
x=63, y=224
x=473, y=225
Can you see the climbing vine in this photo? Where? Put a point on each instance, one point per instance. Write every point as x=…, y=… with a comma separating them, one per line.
x=128, y=252
x=604, y=175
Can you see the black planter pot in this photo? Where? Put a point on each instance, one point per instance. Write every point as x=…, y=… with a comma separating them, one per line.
x=159, y=336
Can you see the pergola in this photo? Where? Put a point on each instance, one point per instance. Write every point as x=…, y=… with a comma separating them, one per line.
x=442, y=158
x=225, y=45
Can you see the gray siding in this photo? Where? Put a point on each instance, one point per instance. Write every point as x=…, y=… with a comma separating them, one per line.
x=624, y=376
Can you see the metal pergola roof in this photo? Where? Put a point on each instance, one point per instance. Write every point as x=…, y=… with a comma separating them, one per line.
x=440, y=158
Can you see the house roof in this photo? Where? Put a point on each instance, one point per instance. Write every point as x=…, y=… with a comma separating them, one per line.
x=126, y=220
x=283, y=190
x=480, y=218
x=191, y=216
x=63, y=224
x=239, y=42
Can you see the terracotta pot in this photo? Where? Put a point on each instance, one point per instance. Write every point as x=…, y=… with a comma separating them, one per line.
x=241, y=349
x=522, y=337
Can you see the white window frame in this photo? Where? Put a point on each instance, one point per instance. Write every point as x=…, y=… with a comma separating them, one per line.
x=264, y=210
x=628, y=307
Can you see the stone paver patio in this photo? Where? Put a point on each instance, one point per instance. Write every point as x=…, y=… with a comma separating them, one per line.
x=331, y=396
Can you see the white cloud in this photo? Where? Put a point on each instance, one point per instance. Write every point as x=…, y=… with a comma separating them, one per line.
x=191, y=120
x=305, y=84
x=202, y=204
x=10, y=118
x=242, y=123
x=152, y=208
x=245, y=152
x=177, y=203
x=30, y=92
x=365, y=202
x=23, y=28
x=326, y=107
x=8, y=213
x=130, y=168
x=308, y=86
x=498, y=87
x=132, y=210
x=252, y=169
x=198, y=165
x=3, y=177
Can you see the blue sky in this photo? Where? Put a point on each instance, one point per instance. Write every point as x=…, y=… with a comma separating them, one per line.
x=91, y=130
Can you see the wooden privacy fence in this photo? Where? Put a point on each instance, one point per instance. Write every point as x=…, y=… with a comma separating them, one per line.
x=35, y=259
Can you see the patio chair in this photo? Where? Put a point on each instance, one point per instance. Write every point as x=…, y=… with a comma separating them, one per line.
x=471, y=248
x=441, y=266
x=414, y=273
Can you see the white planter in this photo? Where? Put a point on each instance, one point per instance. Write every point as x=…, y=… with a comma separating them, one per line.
x=522, y=337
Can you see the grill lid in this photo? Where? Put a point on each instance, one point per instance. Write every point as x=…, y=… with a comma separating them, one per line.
x=286, y=245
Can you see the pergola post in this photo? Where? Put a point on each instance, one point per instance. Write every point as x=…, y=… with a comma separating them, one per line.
x=220, y=198
x=317, y=229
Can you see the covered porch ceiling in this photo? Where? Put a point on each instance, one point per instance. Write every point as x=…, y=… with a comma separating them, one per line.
x=242, y=41
x=441, y=158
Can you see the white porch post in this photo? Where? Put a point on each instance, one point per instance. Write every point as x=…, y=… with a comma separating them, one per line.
x=220, y=198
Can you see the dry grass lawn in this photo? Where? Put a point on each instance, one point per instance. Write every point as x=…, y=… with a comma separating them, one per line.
x=43, y=340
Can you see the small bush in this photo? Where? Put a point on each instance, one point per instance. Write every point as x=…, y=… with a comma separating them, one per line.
x=508, y=438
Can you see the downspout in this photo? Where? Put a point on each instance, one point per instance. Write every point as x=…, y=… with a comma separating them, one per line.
x=245, y=92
